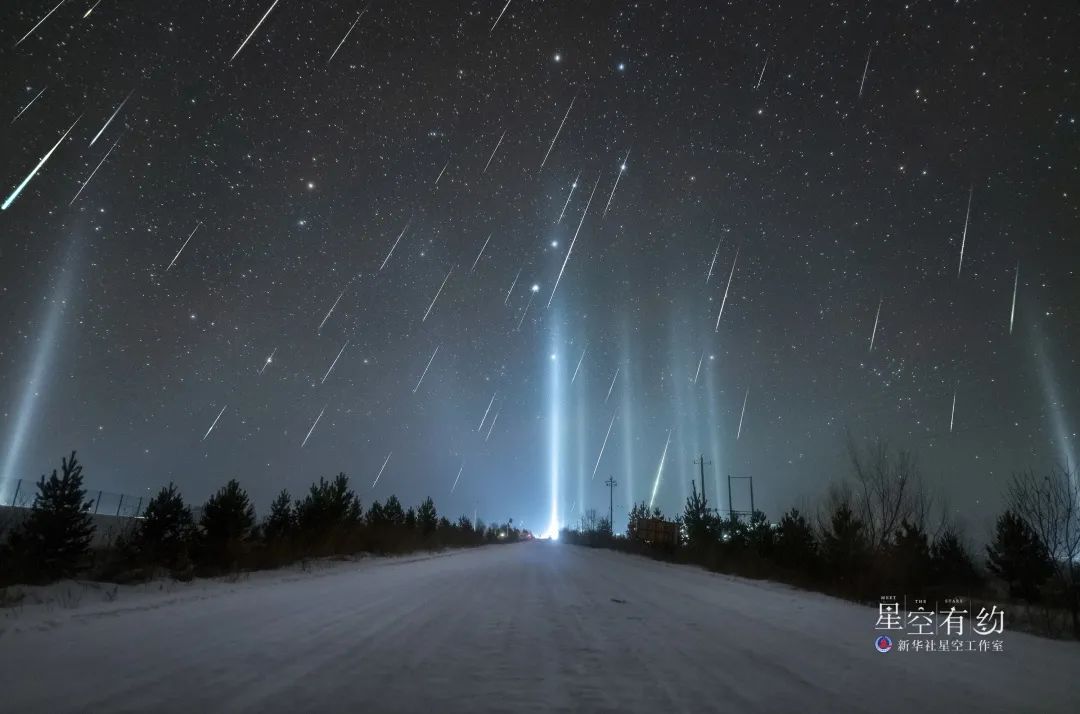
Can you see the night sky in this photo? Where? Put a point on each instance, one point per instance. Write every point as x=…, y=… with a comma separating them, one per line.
x=832, y=178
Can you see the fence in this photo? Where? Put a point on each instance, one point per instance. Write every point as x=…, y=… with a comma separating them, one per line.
x=106, y=503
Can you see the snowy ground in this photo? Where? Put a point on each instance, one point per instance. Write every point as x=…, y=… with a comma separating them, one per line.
x=536, y=627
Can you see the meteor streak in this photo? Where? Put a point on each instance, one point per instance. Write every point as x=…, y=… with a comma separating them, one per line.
x=497, y=145
x=331, y=310
x=952, y=414
x=268, y=361
x=482, y=248
x=557, y=131
x=253, y=30
x=622, y=168
x=50, y=12
x=1016, y=284
x=173, y=262
x=865, y=68
x=492, y=425
x=304, y=442
x=215, y=422
x=532, y=294
x=963, y=239
x=113, y=116
x=457, y=477
x=724, y=301
x=762, y=75
x=568, y=196
x=499, y=17
x=698, y=372
x=438, y=293
x=334, y=362
x=612, y=384
x=507, y=298
x=873, y=333
x=387, y=258
x=743, y=414
x=91, y=9
x=18, y=189
x=28, y=104
x=660, y=470
x=343, y=41
x=383, y=468
x=441, y=173
x=87, y=181
x=487, y=410
x=713, y=263
x=582, y=357
x=571, y=249
x=426, y=369
x=604, y=445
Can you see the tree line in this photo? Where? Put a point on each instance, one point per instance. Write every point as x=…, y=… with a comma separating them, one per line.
x=54, y=540
x=880, y=533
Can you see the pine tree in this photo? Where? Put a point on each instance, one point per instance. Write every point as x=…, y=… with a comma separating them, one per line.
x=376, y=515
x=227, y=520
x=465, y=525
x=395, y=514
x=910, y=555
x=55, y=537
x=700, y=523
x=796, y=545
x=1018, y=557
x=281, y=523
x=426, y=517
x=843, y=544
x=410, y=518
x=444, y=524
x=759, y=534
x=167, y=529
x=634, y=523
x=951, y=563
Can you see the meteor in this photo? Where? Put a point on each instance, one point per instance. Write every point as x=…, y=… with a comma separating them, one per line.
x=50, y=12
x=743, y=414
x=343, y=42
x=173, y=262
x=331, y=310
x=387, y=258
x=268, y=361
x=724, y=301
x=532, y=293
x=215, y=422
x=660, y=470
x=91, y=9
x=571, y=249
x=253, y=30
x=18, y=189
x=557, y=131
x=873, y=333
x=612, y=384
x=379, y=475
x=622, y=168
x=499, y=17
x=437, y=294
x=865, y=68
x=1016, y=284
x=487, y=410
x=762, y=75
x=304, y=442
x=713, y=263
x=482, y=248
x=28, y=104
x=582, y=357
x=952, y=414
x=604, y=445
x=87, y=181
x=109, y=120
x=492, y=425
x=497, y=145
x=963, y=239
x=507, y=298
x=698, y=372
x=426, y=369
x=457, y=477
x=441, y=173
x=334, y=362
x=568, y=196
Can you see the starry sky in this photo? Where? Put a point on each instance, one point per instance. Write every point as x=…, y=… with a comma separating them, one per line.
x=496, y=253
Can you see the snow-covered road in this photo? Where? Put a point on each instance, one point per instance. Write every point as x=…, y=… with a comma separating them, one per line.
x=535, y=627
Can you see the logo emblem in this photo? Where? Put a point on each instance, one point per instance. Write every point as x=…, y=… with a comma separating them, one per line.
x=883, y=643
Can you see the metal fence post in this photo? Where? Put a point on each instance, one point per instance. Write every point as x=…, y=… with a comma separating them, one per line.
x=18, y=485
x=120, y=505
x=97, y=503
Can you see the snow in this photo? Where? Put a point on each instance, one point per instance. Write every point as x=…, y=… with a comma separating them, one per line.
x=529, y=627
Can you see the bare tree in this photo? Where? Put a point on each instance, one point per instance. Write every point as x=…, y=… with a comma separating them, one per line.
x=1051, y=507
x=888, y=491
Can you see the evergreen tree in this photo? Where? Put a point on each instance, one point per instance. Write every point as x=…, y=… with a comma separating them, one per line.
x=410, y=518
x=795, y=544
x=910, y=556
x=55, y=537
x=395, y=514
x=759, y=534
x=699, y=521
x=227, y=520
x=951, y=563
x=843, y=544
x=281, y=522
x=445, y=524
x=166, y=529
x=1018, y=557
x=465, y=525
x=426, y=517
x=329, y=506
x=376, y=515
x=634, y=522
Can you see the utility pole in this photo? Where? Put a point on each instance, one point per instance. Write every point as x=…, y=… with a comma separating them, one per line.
x=611, y=483
x=701, y=462
x=731, y=508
